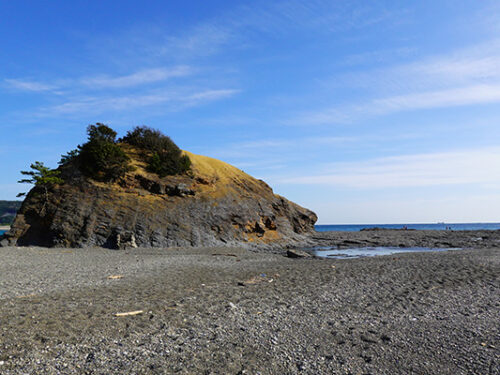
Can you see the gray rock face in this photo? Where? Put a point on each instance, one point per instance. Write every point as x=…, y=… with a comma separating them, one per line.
x=216, y=205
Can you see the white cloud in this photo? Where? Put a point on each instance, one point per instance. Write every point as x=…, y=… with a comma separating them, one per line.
x=96, y=105
x=210, y=95
x=446, y=98
x=318, y=15
x=463, y=96
x=463, y=208
x=25, y=85
x=448, y=168
x=471, y=65
x=465, y=77
x=138, y=78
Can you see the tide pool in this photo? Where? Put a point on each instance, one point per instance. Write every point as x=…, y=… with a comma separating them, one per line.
x=360, y=252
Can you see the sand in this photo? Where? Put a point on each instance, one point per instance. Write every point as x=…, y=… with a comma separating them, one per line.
x=232, y=311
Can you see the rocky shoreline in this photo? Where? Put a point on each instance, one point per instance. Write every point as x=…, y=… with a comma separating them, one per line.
x=233, y=311
x=467, y=239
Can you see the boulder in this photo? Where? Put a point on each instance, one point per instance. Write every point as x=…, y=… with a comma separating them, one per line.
x=295, y=253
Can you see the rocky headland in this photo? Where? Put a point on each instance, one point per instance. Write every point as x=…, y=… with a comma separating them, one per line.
x=211, y=204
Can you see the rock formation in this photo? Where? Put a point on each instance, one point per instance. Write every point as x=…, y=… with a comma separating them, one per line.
x=215, y=204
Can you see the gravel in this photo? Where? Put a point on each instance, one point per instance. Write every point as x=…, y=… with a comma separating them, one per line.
x=232, y=311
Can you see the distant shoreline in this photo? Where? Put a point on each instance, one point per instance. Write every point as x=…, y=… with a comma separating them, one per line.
x=4, y=227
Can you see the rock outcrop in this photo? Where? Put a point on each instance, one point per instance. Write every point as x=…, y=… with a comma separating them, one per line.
x=215, y=204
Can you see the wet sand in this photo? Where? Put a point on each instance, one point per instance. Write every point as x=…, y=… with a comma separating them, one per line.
x=233, y=311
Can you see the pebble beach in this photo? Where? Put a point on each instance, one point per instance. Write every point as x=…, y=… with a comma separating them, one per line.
x=235, y=311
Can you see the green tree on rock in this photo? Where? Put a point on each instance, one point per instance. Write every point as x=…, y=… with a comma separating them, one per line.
x=43, y=177
x=101, y=158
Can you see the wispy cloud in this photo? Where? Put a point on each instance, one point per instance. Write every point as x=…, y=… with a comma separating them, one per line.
x=474, y=64
x=408, y=208
x=97, y=105
x=466, y=77
x=264, y=149
x=318, y=15
x=448, y=168
x=210, y=95
x=26, y=85
x=136, y=79
x=469, y=95
x=236, y=28
x=455, y=97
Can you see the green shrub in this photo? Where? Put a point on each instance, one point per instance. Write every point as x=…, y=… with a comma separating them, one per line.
x=149, y=139
x=101, y=158
x=166, y=163
x=162, y=155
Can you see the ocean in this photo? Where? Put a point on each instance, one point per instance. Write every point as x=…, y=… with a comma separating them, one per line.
x=436, y=226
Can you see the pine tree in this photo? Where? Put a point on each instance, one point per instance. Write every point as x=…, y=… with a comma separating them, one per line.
x=41, y=176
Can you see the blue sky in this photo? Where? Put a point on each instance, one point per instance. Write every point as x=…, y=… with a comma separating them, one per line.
x=365, y=112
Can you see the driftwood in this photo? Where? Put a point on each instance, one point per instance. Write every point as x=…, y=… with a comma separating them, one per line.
x=130, y=313
x=225, y=255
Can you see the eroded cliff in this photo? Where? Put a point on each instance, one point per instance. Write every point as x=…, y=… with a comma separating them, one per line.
x=213, y=204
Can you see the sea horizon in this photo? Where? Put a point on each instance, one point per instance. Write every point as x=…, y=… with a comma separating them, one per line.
x=415, y=226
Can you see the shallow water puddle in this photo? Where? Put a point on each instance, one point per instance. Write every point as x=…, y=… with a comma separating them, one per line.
x=360, y=252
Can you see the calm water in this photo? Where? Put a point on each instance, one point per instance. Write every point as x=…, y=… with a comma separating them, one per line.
x=439, y=226
x=2, y=232
x=360, y=252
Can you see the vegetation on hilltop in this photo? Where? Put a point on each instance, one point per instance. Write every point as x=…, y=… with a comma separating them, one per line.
x=103, y=158
x=161, y=154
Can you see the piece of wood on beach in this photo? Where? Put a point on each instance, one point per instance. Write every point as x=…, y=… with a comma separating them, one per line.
x=130, y=313
x=255, y=280
x=115, y=277
x=225, y=255
x=27, y=296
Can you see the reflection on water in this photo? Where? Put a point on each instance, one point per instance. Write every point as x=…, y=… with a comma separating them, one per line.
x=330, y=252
